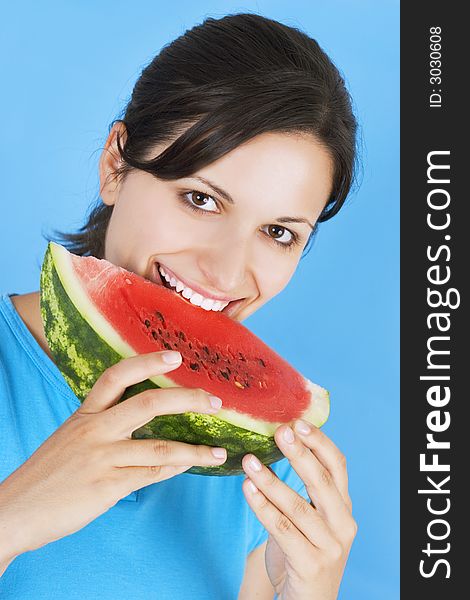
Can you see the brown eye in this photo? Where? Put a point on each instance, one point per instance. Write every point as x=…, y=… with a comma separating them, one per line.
x=276, y=231
x=200, y=201
x=199, y=198
x=280, y=235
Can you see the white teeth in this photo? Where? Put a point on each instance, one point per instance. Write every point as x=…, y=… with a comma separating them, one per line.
x=196, y=299
x=207, y=303
x=193, y=297
x=219, y=305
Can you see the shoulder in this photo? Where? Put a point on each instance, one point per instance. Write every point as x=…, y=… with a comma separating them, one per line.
x=28, y=308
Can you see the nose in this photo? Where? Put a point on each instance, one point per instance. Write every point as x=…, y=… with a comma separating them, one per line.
x=225, y=267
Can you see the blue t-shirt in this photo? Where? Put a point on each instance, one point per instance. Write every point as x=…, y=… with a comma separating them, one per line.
x=186, y=537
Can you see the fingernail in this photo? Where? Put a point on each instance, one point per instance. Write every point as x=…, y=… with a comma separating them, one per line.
x=215, y=402
x=172, y=357
x=288, y=435
x=219, y=452
x=255, y=464
x=302, y=427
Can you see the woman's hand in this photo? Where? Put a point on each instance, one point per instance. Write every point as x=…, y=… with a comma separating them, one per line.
x=90, y=462
x=308, y=543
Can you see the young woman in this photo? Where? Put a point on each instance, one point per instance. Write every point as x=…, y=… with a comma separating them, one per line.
x=238, y=140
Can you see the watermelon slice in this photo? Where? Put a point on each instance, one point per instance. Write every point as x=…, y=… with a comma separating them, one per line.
x=96, y=313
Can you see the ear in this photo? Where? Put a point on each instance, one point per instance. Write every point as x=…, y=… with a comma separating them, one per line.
x=110, y=160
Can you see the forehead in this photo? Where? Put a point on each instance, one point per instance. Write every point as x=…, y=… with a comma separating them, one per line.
x=293, y=169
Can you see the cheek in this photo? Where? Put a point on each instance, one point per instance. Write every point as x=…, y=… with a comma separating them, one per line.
x=162, y=228
x=140, y=225
x=273, y=280
x=172, y=234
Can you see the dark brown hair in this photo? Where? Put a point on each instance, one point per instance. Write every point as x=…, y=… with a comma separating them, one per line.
x=215, y=87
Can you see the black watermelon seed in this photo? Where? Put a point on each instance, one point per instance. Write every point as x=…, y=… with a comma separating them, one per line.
x=206, y=349
x=225, y=374
x=167, y=345
x=194, y=366
x=197, y=354
x=159, y=316
x=190, y=345
x=154, y=334
x=182, y=336
x=261, y=362
x=217, y=355
x=147, y=323
x=241, y=357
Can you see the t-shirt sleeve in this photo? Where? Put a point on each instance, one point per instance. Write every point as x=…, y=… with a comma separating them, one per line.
x=283, y=469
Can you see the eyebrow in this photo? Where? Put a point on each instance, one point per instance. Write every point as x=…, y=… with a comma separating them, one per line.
x=224, y=194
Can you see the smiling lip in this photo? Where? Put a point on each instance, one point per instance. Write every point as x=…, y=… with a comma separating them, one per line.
x=229, y=310
x=195, y=287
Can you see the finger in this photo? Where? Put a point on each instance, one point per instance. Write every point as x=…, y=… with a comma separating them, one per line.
x=290, y=504
x=146, y=453
x=318, y=481
x=327, y=453
x=135, y=478
x=111, y=384
x=300, y=552
x=124, y=418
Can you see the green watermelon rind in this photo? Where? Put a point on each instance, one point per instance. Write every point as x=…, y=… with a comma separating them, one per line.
x=69, y=336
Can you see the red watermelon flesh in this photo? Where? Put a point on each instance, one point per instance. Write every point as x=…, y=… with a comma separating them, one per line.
x=219, y=354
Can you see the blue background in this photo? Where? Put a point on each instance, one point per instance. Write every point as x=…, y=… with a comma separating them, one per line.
x=68, y=70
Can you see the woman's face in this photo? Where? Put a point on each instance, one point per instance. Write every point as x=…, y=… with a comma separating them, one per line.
x=237, y=239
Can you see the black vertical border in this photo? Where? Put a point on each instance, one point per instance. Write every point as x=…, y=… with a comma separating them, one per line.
x=424, y=129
